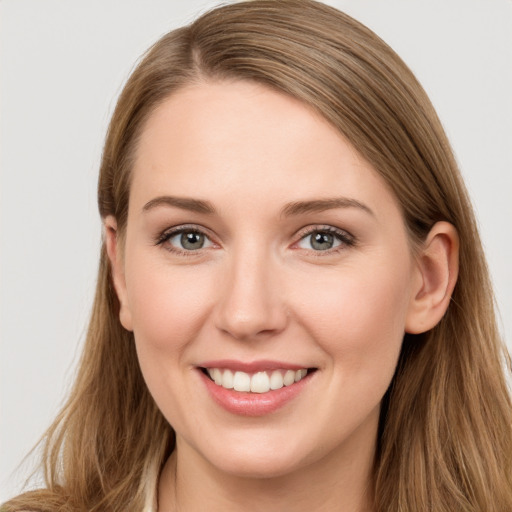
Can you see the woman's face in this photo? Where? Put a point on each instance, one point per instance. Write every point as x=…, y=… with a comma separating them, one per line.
x=262, y=248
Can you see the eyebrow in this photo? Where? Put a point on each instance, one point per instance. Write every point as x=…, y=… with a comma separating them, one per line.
x=185, y=203
x=321, y=205
x=289, y=210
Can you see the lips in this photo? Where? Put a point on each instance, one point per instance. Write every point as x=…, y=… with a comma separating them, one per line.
x=254, y=389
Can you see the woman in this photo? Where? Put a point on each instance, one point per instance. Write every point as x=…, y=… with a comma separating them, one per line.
x=292, y=279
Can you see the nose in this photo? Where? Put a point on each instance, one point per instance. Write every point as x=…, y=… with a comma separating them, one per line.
x=251, y=301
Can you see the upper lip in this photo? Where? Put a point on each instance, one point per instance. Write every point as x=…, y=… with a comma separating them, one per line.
x=251, y=367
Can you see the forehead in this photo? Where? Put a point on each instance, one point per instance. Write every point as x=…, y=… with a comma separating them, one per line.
x=226, y=140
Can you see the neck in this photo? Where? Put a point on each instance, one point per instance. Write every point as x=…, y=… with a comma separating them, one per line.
x=338, y=482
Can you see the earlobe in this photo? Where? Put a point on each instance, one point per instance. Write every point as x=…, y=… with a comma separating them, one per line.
x=437, y=265
x=112, y=243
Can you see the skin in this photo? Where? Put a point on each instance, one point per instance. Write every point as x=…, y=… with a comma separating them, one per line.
x=259, y=290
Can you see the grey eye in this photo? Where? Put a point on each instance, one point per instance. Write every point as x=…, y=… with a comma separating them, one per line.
x=189, y=240
x=192, y=240
x=320, y=241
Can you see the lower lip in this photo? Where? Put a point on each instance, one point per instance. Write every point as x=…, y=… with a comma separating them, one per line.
x=253, y=404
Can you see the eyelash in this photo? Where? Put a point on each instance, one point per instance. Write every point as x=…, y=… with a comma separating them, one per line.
x=346, y=239
x=170, y=233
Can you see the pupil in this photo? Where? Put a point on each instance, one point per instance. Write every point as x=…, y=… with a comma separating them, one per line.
x=322, y=241
x=192, y=240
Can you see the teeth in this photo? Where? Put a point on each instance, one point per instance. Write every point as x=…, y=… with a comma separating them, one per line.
x=289, y=378
x=228, y=379
x=241, y=381
x=300, y=373
x=216, y=375
x=276, y=380
x=260, y=382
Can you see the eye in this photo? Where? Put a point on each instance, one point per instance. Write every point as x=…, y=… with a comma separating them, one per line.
x=185, y=240
x=325, y=239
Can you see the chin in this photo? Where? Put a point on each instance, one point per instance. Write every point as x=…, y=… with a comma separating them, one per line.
x=259, y=468
x=259, y=459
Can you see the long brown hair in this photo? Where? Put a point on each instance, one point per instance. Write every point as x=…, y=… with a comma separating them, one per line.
x=445, y=439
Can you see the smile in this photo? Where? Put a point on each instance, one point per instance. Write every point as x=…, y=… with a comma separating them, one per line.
x=254, y=388
x=259, y=382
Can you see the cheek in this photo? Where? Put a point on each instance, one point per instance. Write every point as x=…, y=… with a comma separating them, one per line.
x=167, y=305
x=358, y=317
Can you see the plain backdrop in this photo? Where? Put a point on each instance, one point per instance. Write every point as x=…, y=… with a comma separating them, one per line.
x=62, y=65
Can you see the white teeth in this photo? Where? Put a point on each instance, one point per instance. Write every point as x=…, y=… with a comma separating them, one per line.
x=217, y=376
x=260, y=382
x=300, y=373
x=276, y=380
x=227, y=379
x=241, y=381
x=289, y=378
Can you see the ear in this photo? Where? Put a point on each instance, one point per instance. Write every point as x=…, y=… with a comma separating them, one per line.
x=115, y=255
x=438, y=267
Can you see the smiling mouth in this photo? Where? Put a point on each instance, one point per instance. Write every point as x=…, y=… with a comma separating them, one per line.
x=259, y=382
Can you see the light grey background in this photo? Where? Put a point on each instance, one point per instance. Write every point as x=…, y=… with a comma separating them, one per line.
x=63, y=63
